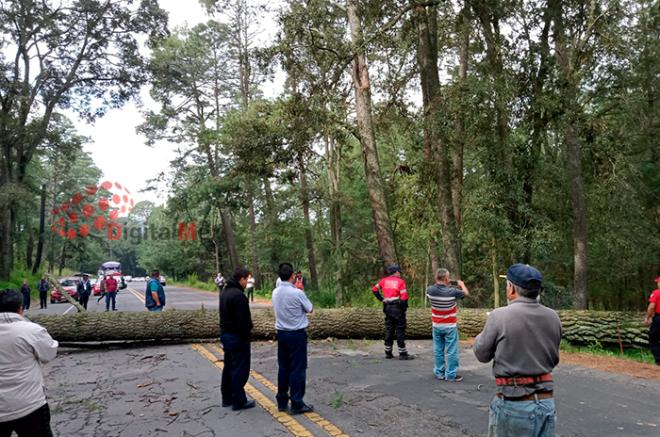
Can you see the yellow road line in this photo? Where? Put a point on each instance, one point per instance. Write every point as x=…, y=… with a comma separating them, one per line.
x=136, y=294
x=323, y=423
x=291, y=424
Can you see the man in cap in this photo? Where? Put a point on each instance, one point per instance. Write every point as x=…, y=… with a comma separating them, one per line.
x=653, y=318
x=391, y=290
x=84, y=290
x=523, y=340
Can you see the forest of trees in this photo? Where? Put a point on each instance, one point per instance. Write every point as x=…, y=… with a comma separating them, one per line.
x=464, y=133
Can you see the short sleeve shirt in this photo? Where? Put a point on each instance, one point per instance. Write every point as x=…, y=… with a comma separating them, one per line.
x=392, y=287
x=655, y=298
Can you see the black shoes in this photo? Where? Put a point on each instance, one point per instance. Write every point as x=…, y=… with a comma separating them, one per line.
x=226, y=404
x=245, y=406
x=405, y=357
x=388, y=355
x=302, y=410
x=282, y=409
x=458, y=378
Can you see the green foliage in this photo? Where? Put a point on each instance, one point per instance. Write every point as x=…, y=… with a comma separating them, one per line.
x=635, y=354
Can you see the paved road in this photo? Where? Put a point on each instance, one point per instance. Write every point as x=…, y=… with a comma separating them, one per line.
x=132, y=299
x=174, y=390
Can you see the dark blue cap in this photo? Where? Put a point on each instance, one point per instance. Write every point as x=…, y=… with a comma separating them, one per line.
x=525, y=276
x=393, y=268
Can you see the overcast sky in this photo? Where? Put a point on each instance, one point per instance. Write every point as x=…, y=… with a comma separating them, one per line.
x=117, y=149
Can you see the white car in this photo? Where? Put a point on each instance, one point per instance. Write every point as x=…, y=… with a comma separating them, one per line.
x=128, y=278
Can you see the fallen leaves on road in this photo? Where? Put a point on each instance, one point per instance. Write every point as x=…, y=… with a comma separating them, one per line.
x=612, y=364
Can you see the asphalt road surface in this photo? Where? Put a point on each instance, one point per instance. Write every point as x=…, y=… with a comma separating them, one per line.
x=175, y=390
x=132, y=299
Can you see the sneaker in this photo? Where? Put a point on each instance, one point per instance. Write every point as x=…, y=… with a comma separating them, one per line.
x=439, y=377
x=406, y=357
x=389, y=355
x=245, y=406
x=304, y=409
x=458, y=378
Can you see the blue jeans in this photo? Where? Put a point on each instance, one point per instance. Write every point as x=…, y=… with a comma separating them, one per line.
x=111, y=297
x=292, y=368
x=445, y=340
x=155, y=309
x=521, y=419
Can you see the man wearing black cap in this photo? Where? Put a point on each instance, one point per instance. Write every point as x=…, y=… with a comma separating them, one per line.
x=522, y=339
x=84, y=291
x=391, y=290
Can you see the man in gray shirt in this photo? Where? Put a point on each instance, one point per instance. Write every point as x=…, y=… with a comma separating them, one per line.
x=291, y=306
x=523, y=340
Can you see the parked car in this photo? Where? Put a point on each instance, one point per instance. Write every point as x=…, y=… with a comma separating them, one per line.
x=128, y=278
x=70, y=285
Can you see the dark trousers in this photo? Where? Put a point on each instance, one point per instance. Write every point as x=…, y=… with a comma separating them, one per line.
x=43, y=299
x=83, y=299
x=292, y=372
x=236, y=372
x=654, y=338
x=395, y=324
x=35, y=424
x=111, y=297
x=250, y=294
x=26, y=301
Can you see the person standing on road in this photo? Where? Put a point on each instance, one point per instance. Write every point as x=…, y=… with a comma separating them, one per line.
x=291, y=307
x=154, y=296
x=235, y=328
x=653, y=319
x=391, y=291
x=110, y=293
x=84, y=291
x=101, y=289
x=25, y=291
x=219, y=282
x=523, y=340
x=250, y=288
x=25, y=347
x=43, y=287
x=443, y=296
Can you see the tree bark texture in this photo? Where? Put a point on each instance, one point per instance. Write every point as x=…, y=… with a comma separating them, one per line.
x=436, y=151
x=363, y=109
x=309, y=238
x=585, y=327
x=40, y=241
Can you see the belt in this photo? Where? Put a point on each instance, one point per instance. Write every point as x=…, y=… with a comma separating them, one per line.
x=530, y=397
x=523, y=380
x=391, y=300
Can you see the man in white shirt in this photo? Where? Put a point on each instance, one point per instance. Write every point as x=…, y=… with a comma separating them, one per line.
x=291, y=307
x=25, y=347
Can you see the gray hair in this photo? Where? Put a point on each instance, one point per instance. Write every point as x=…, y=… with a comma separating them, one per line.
x=525, y=292
x=441, y=273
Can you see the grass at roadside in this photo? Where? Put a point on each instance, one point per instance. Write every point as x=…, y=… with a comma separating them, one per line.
x=634, y=354
x=19, y=274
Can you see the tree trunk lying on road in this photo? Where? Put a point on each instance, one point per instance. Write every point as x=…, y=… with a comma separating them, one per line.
x=587, y=327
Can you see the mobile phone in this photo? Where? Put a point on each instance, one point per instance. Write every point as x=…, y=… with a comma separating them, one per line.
x=453, y=282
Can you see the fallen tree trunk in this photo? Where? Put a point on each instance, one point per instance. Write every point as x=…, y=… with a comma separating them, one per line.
x=586, y=327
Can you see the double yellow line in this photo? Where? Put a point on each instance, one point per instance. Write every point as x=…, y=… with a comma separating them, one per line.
x=136, y=294
x=291, y=424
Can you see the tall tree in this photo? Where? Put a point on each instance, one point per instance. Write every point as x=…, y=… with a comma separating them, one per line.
x=83, y=55
x=367, y=135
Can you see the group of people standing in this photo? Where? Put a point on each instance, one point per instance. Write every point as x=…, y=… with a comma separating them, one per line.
x=522, y=339
x=42, y=287
x=291, y=306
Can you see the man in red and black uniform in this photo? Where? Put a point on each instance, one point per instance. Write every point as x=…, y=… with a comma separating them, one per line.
x=391, y=290
x=653, y=318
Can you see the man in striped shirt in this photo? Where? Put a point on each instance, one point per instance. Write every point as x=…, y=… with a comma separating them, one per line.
x=442, y=296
